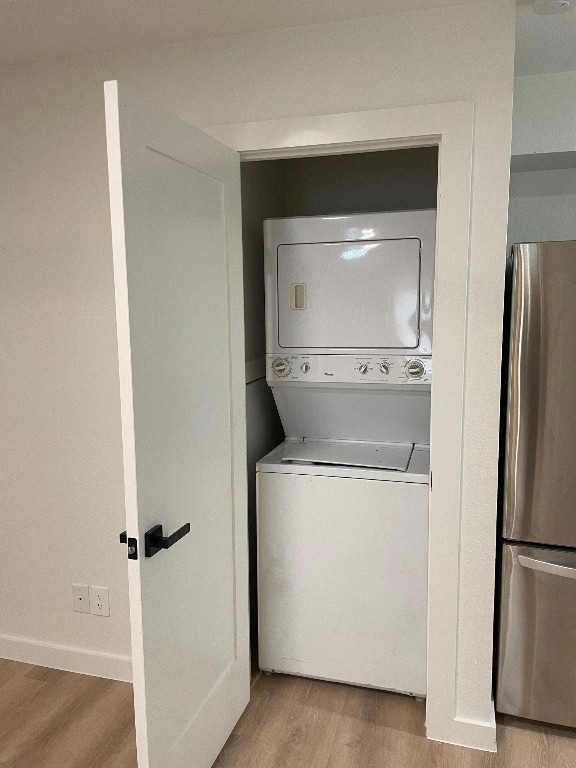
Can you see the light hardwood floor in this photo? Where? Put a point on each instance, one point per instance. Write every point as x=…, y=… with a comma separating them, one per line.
x=52, y=719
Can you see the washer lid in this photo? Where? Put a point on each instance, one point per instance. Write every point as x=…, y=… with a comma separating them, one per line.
x=395, y=456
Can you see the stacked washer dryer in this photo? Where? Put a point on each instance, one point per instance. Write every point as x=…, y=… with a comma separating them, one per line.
x=343, y=502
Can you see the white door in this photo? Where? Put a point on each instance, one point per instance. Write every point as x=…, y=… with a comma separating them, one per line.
x=176, y=230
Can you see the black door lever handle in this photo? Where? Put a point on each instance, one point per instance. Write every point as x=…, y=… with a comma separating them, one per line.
x=154, y=540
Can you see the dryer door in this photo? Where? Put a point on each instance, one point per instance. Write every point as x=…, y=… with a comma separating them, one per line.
x=349, y=295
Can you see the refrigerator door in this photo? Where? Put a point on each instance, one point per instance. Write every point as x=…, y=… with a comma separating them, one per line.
x=540, y=481
x=537, y=664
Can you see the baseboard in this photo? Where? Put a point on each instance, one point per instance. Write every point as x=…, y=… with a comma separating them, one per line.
x=85, y=662
x=465, y=733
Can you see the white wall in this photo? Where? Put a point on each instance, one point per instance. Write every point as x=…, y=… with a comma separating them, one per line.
x=264, y=432
x=544, y=114
x=61, y=406
x=542, y=206
x=361, y=182
x=61, y=466
x=262, y=198
x=543, y=182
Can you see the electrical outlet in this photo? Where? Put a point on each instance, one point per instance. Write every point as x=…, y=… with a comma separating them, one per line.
x=80, y=598
x=99, y=601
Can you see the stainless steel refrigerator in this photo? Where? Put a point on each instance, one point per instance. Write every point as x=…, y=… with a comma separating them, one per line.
x=537, y=649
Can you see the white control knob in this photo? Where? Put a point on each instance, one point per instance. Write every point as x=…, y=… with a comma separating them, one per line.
x=415, y=369
x=385, y=368
x=305, y=367
x=281, y=367
x=363, y=369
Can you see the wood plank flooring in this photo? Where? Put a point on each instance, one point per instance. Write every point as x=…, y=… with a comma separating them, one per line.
x=53, y=719
x=299, y=723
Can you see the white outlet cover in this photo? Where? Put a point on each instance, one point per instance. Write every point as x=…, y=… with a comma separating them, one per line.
x=80, y=598
x=99, y=601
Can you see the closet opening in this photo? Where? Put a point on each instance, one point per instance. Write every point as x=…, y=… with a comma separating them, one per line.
x=338, y=406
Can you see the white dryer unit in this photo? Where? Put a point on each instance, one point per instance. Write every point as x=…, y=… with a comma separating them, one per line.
x=342, y=563
x=354, y=284
x=349, y=304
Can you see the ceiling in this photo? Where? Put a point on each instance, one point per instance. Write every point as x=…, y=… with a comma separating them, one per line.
x=36, y=30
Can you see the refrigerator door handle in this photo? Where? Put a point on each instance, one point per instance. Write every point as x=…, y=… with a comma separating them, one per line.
x=524, y=382
x=545, y=567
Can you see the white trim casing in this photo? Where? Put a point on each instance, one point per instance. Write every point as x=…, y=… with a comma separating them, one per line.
x=86, y=662
x=451, y=127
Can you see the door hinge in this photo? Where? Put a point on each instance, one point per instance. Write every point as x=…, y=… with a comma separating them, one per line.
x=132, y=545
x=430, y=480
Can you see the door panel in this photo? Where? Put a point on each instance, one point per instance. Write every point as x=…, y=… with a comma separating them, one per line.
x=541, y=441
x=175, y=205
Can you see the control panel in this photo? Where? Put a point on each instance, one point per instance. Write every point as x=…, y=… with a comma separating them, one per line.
x=349, y=369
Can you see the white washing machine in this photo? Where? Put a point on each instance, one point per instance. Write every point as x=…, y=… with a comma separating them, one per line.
x=342, y=564
x=343, y=502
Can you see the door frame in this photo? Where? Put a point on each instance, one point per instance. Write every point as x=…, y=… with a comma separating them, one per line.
x=450, y=126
